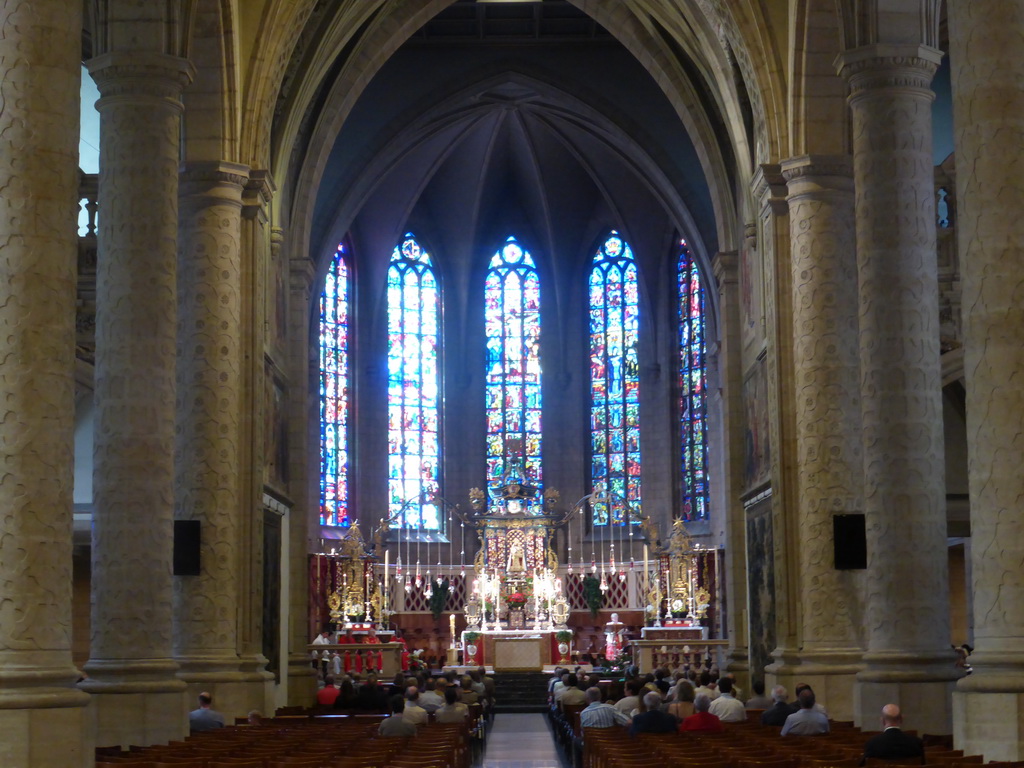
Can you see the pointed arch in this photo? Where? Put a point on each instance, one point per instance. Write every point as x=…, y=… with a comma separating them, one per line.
x=414, y=387
x=614, y=314
x=692, y=387
x=513, y=365
x=335, y=402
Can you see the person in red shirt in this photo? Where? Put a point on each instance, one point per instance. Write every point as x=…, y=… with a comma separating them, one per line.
x=325, y=696
x=374, y=661
x=405, y=648
x=347, y=639
x=701, y=719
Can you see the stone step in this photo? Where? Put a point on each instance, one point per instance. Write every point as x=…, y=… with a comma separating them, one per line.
x=525, y=692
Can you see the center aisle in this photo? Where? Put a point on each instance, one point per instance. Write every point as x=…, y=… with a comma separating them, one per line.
x=520, y=741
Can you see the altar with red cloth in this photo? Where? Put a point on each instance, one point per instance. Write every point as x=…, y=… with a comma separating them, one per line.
x=511, y=650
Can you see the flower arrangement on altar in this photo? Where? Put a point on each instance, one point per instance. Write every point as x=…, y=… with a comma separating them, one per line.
x=516, y=600
x=416, y=661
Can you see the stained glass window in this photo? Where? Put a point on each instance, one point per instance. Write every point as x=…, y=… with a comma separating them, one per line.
x=334, y=393
x=692, y=389
x=414, y=443
x=614, y=384
x=512, y=380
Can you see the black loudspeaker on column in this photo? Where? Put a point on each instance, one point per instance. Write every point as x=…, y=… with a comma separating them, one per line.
x=850, y=540
x=186, y=547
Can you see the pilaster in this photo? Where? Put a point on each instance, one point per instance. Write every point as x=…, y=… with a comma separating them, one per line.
x=726, y=270
x=908, y=660
x=303, y=442
x=44, y=719
x=988, y=102
x=768, y=188
x=827, y=425
x=257, y=198
x=208, y=436
x=139, y=700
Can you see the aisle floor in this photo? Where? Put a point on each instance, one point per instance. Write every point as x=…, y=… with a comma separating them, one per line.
x=520, y=741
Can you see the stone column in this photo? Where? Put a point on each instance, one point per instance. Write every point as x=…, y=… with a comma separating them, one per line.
x=908, y=660
x=988, y=104
x=43, y=717
x=768, y=189
x=828, y=447
x=726, y=269
x=303, y=442
x=207, y=436
x=133, y=487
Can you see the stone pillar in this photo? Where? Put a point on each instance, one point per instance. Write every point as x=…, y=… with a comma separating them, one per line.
x=43, y=717
x=726, y=269
x=828, y=446
x=768, y=188
x=908, y=660
x=207, y=436
x=303, y=442
x=988, y=105
x=139, y=700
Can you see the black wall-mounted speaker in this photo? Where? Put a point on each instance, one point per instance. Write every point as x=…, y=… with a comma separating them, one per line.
x=850, y=542
x=186, y=547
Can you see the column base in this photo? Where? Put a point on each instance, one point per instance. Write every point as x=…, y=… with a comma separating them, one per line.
x=920, y=683
x=988, y=710
x=831, y=673
x=136, y=701
x=53, y=737
x=737, y=663
x=302, y=683
x=237, y=685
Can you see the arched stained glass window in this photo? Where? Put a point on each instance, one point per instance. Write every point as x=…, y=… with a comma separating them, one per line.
x=414, y=442
x=513, y=387
x=692, y=389
x=334, y=393
x=614, y=383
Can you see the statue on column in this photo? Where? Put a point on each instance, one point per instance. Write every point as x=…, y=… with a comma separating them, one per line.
x=613, y=632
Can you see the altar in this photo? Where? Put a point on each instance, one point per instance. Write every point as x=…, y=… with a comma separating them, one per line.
x=675, y=632
x=511, y=650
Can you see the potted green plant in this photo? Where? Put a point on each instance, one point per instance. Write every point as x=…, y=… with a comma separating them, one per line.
x=592, y=594
x=439, y=598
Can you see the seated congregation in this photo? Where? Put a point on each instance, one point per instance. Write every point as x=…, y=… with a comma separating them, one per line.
x=415, y=721
x=703, y=720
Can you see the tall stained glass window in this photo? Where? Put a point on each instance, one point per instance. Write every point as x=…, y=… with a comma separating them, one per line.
x=614, y=383
x=692, y=389
x=334, y=393
x=414, y=443
x=512, y=323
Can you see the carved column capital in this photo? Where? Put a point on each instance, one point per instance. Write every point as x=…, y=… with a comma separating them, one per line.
x=810, y=174
x=259, y=191
x=725, y=265
x=769, y=188
x=213, y=174
x=141, y=75
x=888, y=66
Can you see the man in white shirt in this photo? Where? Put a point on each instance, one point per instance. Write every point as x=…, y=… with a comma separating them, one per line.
x=429, y=699
x=324, y=638
x=631, y=700
x=727, y=707
x=414, y=713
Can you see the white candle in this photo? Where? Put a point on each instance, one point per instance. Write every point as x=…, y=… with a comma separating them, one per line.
x=647, y=577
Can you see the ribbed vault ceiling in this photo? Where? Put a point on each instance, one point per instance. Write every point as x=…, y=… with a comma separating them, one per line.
x=467, y=141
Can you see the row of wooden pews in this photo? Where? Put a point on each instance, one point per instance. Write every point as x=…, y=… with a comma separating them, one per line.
x=301, y=741
x=751, y=745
